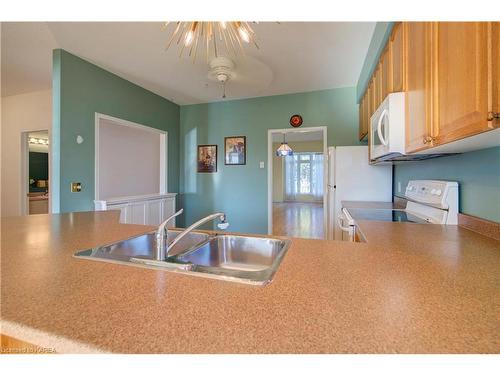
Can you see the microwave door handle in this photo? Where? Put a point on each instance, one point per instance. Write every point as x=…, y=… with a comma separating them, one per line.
x=379, y=127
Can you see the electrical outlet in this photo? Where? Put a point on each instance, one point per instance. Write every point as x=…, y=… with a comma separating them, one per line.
x=399, y=186
x=261, y=165
x=76, y=187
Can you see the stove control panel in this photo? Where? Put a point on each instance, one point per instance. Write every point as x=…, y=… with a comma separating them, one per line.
x=434, y=200
x=435, y=193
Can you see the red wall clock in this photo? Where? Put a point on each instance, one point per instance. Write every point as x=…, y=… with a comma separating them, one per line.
x=296, y=121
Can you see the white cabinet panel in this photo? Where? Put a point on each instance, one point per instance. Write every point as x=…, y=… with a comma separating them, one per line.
x=137, y=213
x=153, y=212
x=169, y=210
x=144, y=210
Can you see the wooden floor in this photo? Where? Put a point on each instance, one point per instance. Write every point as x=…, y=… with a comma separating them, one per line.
x=294, y=219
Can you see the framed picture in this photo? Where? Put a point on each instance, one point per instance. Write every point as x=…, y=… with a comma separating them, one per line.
x=207, y=158
x=235, y=150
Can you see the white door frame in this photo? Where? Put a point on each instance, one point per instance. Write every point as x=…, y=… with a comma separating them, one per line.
x=163, y=150
x=270, y=153
x=25, y=169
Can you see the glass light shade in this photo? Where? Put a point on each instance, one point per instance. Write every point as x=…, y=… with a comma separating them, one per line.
x=284, y=150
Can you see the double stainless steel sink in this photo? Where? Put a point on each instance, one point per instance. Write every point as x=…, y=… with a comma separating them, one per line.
x=244, y=259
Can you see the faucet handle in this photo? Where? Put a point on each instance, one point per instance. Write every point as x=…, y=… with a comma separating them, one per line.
x=223, y=223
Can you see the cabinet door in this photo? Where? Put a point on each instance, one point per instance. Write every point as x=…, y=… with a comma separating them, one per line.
x=461, y=80
x=371, y=101
x=495, y=79
x=362, y=118
x=419, y=89
x=385, y=74
x=377, y=86
x=396, y=46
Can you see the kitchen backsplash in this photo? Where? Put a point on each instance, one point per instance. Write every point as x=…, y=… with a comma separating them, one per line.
x=478, y=175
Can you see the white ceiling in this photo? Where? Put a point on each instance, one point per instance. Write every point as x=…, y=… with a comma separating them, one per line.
x=293, y=57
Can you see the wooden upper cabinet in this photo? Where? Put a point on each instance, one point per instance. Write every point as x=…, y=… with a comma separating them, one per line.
x=461, y=80
x=418, y=85
x=371, y=100
x=377, y=86
x=363, y=115
x=385, y=74
x=495, y=71
x=397, y=58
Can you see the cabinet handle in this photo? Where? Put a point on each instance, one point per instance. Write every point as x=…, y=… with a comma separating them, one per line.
x=493, y=115
x=429, y=139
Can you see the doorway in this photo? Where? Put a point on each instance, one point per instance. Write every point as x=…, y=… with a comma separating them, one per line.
x=297, y=183
x=35, y=176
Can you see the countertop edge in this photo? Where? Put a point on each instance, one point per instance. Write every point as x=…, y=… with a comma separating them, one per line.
x=46, y=340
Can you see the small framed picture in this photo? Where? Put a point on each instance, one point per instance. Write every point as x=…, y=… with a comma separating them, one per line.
x=235, y=150
x=207, y=158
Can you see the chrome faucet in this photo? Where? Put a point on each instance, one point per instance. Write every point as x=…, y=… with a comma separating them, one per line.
x=161, y=248
x=222, y=225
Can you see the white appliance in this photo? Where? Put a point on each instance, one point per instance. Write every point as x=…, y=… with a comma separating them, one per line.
x=387, y=135
x=429, y=202
x=387, y=132
x=351, y=177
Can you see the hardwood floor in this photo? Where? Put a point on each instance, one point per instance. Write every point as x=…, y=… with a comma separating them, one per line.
x=297, y=219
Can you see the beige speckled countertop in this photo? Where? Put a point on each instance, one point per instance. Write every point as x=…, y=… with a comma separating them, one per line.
x=411, y=288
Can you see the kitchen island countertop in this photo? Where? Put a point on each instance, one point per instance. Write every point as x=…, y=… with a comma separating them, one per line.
x=410, y=288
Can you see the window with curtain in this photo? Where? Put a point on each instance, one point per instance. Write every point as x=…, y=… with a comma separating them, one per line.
x=304, y=176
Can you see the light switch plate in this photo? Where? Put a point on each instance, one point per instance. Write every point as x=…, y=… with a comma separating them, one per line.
x=76, y=187
x=261, y=165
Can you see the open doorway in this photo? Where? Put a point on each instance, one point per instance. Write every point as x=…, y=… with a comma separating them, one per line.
x=35, y=194
x=297, y=183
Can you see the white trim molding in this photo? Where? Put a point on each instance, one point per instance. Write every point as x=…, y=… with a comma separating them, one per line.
x=270, y=153
x=163, y=150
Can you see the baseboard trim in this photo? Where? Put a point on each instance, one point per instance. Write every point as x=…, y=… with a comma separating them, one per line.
x=482, y=226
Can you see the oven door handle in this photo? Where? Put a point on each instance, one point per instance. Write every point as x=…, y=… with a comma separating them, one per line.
x=339, y=222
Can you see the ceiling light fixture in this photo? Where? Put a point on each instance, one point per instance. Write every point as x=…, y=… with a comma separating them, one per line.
x=221, y=71
x=38, y=141
x=284, y=149
x=215, y=37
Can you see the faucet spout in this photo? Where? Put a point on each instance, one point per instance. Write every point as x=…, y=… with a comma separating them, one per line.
x=218, y=215
x=162, y=238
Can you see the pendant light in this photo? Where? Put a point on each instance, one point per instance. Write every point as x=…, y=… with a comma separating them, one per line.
x=284, y=149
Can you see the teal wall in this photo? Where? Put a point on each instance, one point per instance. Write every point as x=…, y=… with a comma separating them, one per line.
x=241, y=191
x=38, y=166
x=478, y=175
x=80, y=89
x=380, y=36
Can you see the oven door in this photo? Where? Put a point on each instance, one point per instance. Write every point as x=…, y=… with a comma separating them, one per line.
x=379, y=132
x=347, y=226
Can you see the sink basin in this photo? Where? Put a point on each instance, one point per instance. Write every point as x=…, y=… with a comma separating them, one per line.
x=249, y=260
x=141, y=247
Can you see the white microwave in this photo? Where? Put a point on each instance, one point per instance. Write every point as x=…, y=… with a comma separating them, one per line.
x=387, y=135
x=387, y=129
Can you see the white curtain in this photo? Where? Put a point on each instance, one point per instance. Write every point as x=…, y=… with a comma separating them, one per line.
x=304, y=177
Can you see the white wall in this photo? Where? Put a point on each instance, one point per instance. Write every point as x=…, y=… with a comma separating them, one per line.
x=129, y=160
x=25, y=112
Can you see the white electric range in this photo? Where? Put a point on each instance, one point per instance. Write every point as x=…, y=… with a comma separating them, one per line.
x=429, y=202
